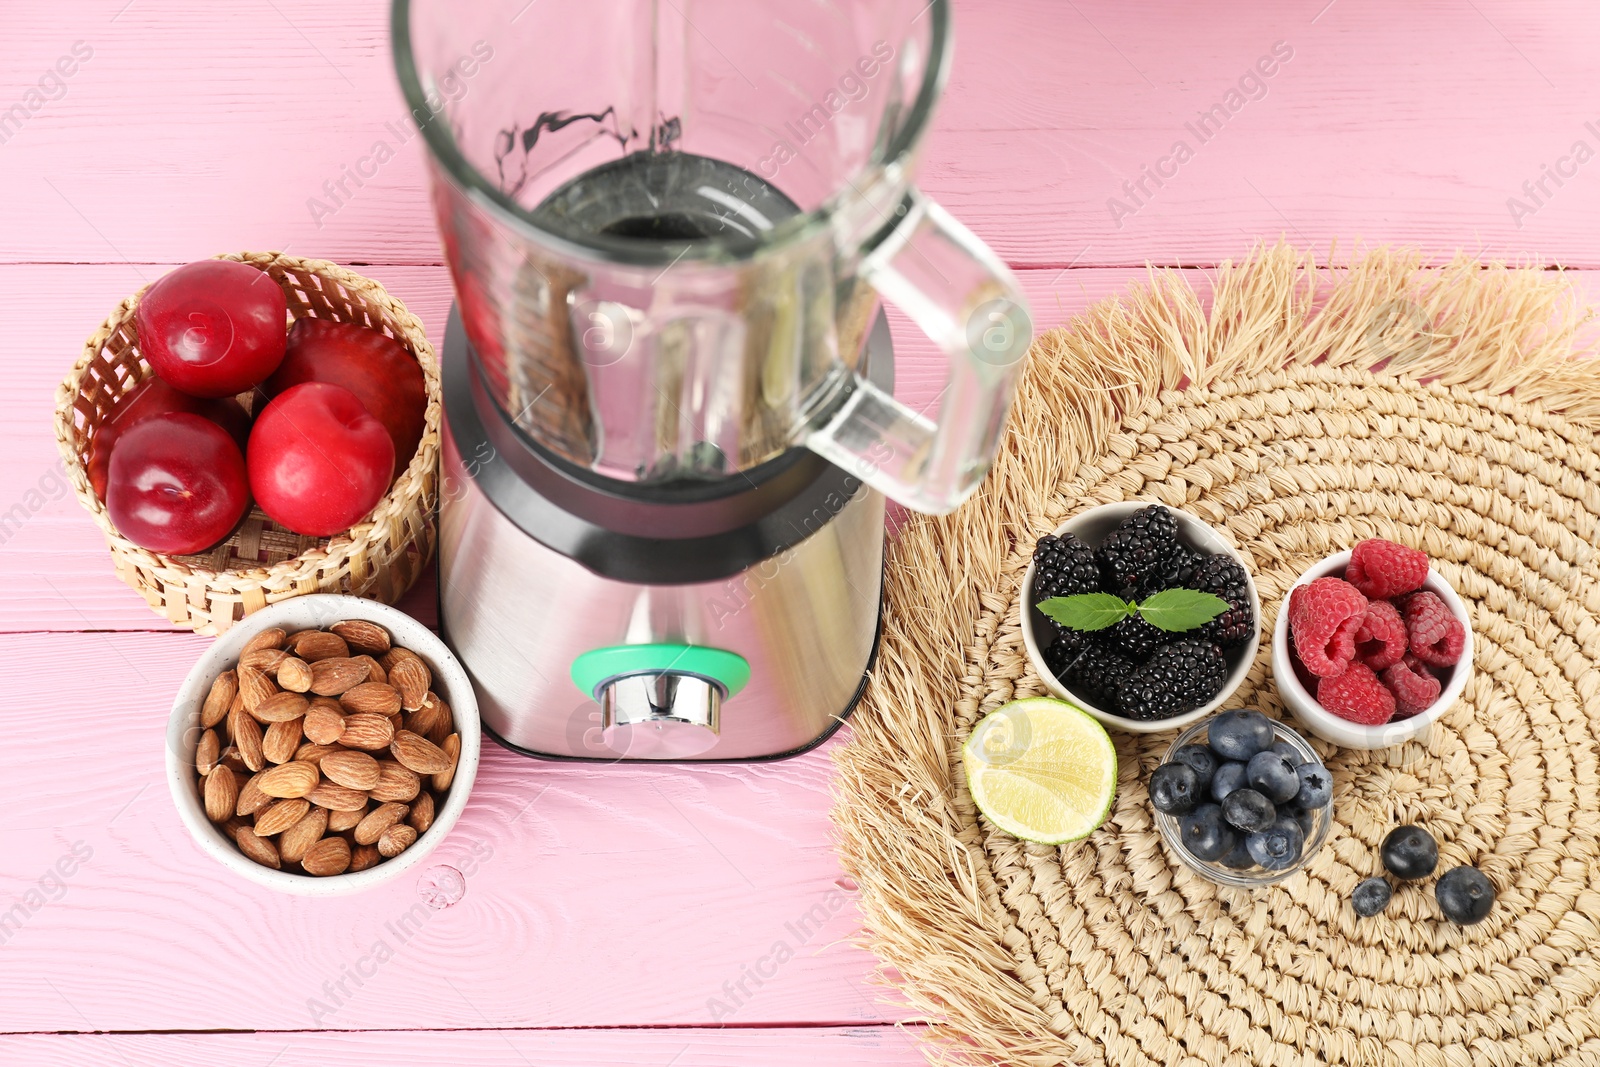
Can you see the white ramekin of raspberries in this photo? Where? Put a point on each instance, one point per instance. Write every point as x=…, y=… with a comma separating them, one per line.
x=1372, y=645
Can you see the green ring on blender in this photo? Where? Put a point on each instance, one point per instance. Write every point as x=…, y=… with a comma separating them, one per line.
x=599, y=665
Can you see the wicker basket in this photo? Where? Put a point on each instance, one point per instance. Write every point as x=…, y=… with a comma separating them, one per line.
x=262, y=563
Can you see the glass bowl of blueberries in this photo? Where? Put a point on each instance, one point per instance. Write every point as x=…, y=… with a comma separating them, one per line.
x=1242, y=799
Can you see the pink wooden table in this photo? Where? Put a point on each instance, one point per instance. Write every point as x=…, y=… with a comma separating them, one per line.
x=611, y=915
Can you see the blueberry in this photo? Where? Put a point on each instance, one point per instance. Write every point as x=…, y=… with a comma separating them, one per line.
x=1238, y=735
x=1273, y=776
x=1302, y=818
x=1229, y=776
x=1410, y=852
x=1370, y=897
x=1201, y=758
x=1238, y=857
x=1248, y=810
x=1288, y=752
x=1174, y=788
x=1464, y=895
x=1316, y=786
x=1205, y=835
x=1277, y=847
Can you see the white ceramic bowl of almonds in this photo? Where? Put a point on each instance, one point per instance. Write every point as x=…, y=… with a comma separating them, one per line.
x=361, y=717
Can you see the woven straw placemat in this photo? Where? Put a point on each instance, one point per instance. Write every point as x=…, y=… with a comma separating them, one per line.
x=1287, y=409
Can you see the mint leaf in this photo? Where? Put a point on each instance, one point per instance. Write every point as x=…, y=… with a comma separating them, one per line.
x=1177, y=610
x=1087, y=611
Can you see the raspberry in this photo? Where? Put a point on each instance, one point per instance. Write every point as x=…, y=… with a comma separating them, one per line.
x=1381, y=641
x=1413, y=685
x=1436, y=636
x=1357, y=695
x=1383, y=569
x=1324, y=616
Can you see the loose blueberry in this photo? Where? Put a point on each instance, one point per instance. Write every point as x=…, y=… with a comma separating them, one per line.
x=1201, y=758
x=1316, y=786
x=1410, y=852
x=1464, y=895
x=1248, y=810
x=1288, y=752
x=1240, y=734
x=1277, y=847
x=1370, y=897
x=1273, y=776
x=1174, y=788
x=1205, y=835
x=1229, y=776
x=1238, y=857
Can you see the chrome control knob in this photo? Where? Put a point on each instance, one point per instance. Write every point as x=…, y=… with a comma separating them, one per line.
x=663, y=715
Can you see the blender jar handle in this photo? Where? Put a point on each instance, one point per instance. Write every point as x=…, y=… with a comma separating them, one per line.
x=959, y=293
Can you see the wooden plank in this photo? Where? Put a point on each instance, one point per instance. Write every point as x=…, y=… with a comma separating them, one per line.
x=596, y=896
x=55, y=573
x=858, y=1046
x=1411, y=124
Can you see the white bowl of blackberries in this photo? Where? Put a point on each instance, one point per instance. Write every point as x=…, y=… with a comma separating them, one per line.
x=1242, y=799
x=1142, y=615
x=1411, y=855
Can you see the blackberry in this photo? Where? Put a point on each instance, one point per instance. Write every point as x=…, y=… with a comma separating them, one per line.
x=1063, y=566
x=1178, y=678
x=1133, y=639
x=1223, y=576
x=1097, y=674
x=1138, y=550
x=1175, y=575
x=1064, y=650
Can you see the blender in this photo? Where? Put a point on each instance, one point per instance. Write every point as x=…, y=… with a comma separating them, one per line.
x=668, y=379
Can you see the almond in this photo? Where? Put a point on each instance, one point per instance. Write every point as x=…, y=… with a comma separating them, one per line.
x=246, y=734
x=257, y=848
x=421, y=816
x=281, y=707
x=294, y=674
x=317, y=645
x=227, y=720
x=412, y=677
x=265, y=660
x=434, y=715
x=375, y=671
x=377, y=698
x=251, y=798
x=419, y=754
x=293, y=842
x=231, y=760
x=324, y=726
x=363, y=636
x=395, y=840
x=337, y=797
x=395, y=782
x=340, y=821
x=254, y=687
x=356, y=770
x=282, y=741
x=327, y=857
x=272, y=637
x=207, y=752
x=452, y=748
x=311, y=753
x=370, y=732
x=338, y=674
x=395, y=655
x=219, y=699
x=379, y=819
x=221, y=794
x=289, y=779
x=278, y=817
x=364, y=856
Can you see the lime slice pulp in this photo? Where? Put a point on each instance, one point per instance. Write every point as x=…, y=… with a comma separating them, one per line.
x=1041, y=770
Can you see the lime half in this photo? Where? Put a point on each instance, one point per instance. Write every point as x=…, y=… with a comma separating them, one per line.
x=1041, y=770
